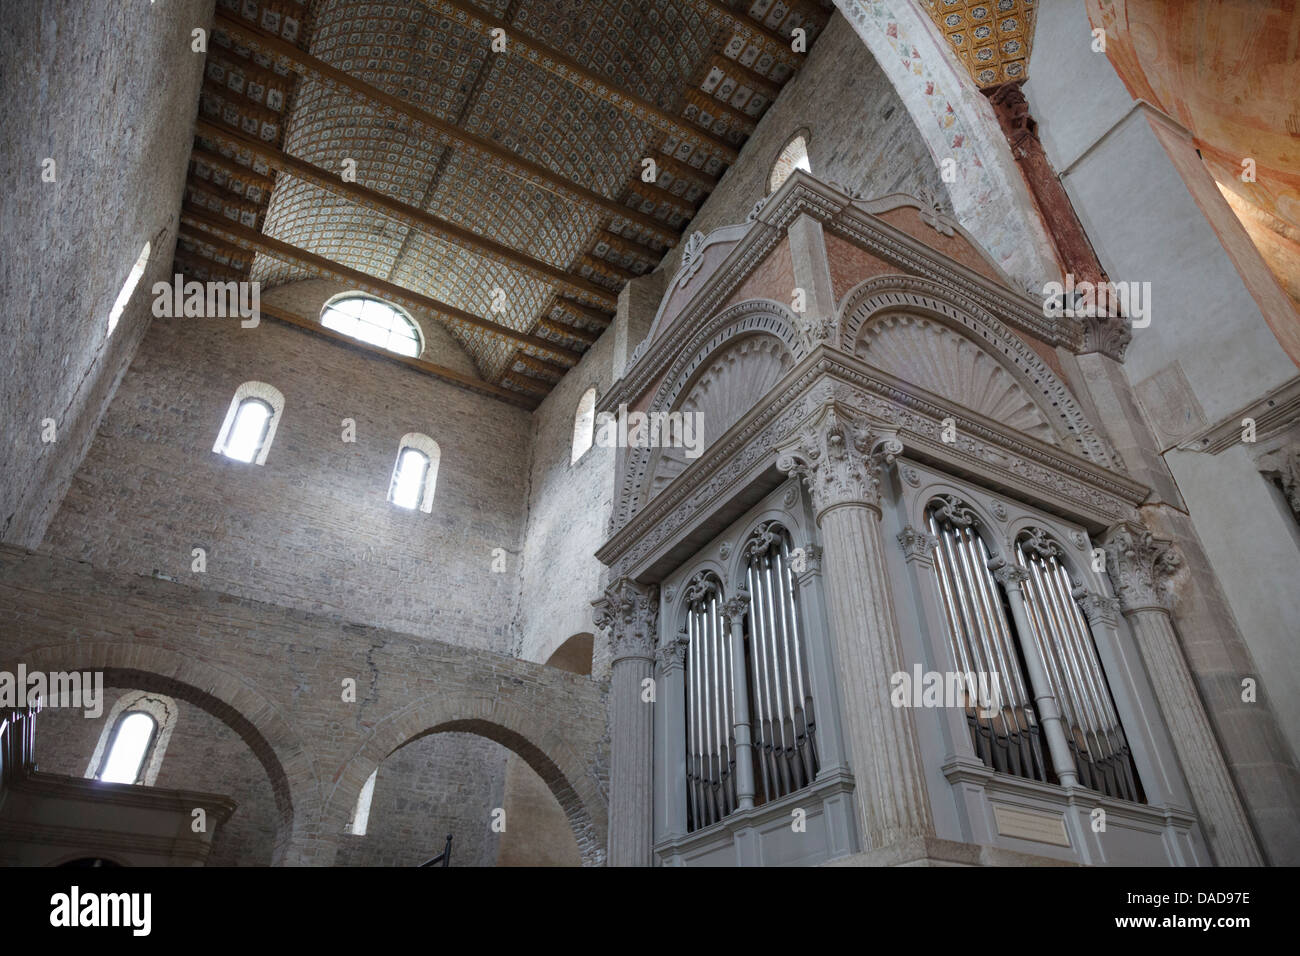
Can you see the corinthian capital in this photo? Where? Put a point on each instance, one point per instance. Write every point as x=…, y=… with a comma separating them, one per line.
x=840, y=455
x=1141, y=567
x=627, y=613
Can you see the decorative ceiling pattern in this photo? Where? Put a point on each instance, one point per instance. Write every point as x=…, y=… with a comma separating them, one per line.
x=992, y=38
x=503, y=188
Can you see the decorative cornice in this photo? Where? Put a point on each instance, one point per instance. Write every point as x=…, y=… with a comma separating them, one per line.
x=840, y=455
x=1275, y=412
x=627, y=613
x=1042, y=472
x=1141, y=567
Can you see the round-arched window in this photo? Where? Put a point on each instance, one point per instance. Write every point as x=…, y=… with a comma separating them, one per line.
x=373, y=321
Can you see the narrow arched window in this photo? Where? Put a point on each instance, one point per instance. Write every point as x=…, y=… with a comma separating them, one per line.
x=250, y=423
x=134, y=734
x=793, y=156
x=128, y=288
x=373, y=321
x=584, y=423
x=361, y=812
x=415, y=472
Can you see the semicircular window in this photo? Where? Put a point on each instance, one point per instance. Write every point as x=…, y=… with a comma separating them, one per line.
x=373, y=321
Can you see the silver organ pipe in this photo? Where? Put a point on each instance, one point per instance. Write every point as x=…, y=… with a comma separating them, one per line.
x=710, y=743
x=1096, y=737
x=1004, y=730
x=780, y=689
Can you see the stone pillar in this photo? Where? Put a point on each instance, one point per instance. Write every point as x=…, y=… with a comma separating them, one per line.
x=1141, y=568
x=735, y=610
x=627, y=613
x=1012, y=578
x=840, y=456
x=670, y=723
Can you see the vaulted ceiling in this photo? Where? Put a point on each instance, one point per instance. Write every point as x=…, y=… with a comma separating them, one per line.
x=499, y=188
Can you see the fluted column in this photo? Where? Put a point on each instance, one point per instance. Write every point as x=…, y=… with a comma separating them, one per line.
x=1141, y=568
x=839, y=455
x=735, y=610
x=1012, y=578
x=627, y=613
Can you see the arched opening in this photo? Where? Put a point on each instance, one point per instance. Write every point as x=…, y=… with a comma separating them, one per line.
x=453, y=779
x=207, y=751
x=584, y=424
x=533, y=839
x=794, y=155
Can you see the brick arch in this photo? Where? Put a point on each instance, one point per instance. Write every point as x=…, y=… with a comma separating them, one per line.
x=514, y=724
x=223, y=695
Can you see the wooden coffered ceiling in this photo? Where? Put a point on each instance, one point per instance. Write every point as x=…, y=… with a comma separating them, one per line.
x=499, y=193
x=991, y=38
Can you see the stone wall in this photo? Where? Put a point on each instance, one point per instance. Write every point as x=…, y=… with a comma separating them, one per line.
x=107, y=91
x=202, y=754
x=275, y=677
x=866, y=141
x=311, y=528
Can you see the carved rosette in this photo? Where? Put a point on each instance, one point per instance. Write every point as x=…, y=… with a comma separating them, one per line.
x=917, y=545
x=627, y=613
x=840, y=455
x=1141, y=567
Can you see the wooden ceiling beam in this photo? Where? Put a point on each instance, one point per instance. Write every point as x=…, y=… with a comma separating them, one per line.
x=589, y=81
x=326, y=268
x=410, y=215
x=568, y=331
x=207, y=239
x=629, y=247
x=686, y=171
x=538, y=365
x=715, y=106
x=236, y=169
x=579, y=311
x=747, y=77
x=527, y=382
x=755, y=32
x=431, y=368
x=525, y=169
x=218, y=270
